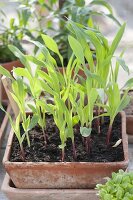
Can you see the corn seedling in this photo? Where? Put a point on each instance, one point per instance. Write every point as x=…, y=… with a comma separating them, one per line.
x=115, y=105
x=70, y=98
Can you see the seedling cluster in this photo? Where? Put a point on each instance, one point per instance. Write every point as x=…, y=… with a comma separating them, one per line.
x=69, y=97
x=120, y=186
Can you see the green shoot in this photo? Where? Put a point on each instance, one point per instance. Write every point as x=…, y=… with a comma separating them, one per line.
x=39, y=110
x=116, y=104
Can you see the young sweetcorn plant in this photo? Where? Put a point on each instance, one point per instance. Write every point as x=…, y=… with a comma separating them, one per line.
x=18, y=93
x=15, y=124
x=116, y=104
x=67, y=89
x=40, y=111
x=84, y=111
x=57, y=111
x=100, y=69
x=65, y=121
x=101, y=65
x=35, y=89
x=31, y=122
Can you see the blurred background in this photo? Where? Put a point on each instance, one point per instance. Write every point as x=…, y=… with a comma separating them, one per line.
x=123, y=11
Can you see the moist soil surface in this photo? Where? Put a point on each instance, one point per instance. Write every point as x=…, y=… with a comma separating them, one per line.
x=100, y=152
x=2, y=114
x=129, y=109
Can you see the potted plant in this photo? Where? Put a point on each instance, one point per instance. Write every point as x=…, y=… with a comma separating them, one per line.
x=55, y=20
x=12, y=34
x=80, y=12
x=119, y=186
x=69, y=129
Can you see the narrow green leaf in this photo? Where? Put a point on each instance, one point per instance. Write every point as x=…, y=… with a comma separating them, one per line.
x=129, y=83
x=51, y=44
x=20, y=55
x=102, y=3
x=33, y=122
x=117, y=39
x=23, y=72
x=123, y=64
x=77, y=49
x=5, y=72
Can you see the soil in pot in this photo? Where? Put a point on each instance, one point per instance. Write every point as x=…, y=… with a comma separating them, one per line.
x=99, y=150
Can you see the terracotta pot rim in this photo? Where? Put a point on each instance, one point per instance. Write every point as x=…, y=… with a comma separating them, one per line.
x=129, y=116
x=28, y=164
x=6, y=185
x=15, y=193
x=5, y=119
x=9, y=62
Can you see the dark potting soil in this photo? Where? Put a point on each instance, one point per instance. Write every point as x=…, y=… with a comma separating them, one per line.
x=100, y=152
x=2, y=114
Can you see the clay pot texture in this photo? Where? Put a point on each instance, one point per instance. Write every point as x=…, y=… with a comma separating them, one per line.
x=68, y=175
x=5, y=120
x=9, y=66
x=13, y=193
x=129, y=124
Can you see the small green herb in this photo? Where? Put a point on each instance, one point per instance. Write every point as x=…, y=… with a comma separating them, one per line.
x=119, y=186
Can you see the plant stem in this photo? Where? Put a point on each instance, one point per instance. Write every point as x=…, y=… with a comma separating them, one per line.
x=28, y=140
x=87, y=144
x=74, y=150
x=102, y=118
x=22, y=152
x=109, y=133
x=98, y=120
x=63, y=155
x=44, y=135
x=83, y=140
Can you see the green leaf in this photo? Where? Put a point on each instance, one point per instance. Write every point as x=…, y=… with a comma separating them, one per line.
x=12, y=22
x=117, y=39
x=33, y=122
x=77, y=49
x=35, y=60
x=17, y=101
x=123, y=64
x=45, y=52
x=129, y=83
x=101, y=94
x=113, y=18
x=75, y=120
x=20, y=55
x=46, y=88
x=23, y=72
x=85, y=132
x=51, y=44
x=33, y=109
x=80, y=3
x=44, y=76
x=124, y=102
x=5, y=72
x=102, y=3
